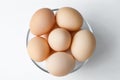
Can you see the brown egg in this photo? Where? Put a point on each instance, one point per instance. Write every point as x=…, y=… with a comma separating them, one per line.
x=69, y=19
x=83, y=45
x=42, y=21
x=38, y=49
x=60, y=64
x=59, y=39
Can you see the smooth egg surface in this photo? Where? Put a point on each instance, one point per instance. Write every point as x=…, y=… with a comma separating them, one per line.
x=38, y=49
x=59, y=39
x=83, y=45
x=42, y=21
x=60, y=63
x=69, y=19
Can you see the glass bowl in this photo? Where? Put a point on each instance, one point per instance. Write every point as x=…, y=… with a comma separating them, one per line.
x=41, y=65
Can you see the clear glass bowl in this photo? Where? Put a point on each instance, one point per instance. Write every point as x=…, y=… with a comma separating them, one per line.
x=41, y=65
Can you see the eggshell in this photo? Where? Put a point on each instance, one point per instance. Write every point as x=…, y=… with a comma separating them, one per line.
x=42, y=21
x=60, y=64
x=38, y=49
x=69, y=19
x=83, y=45
x=59, y=39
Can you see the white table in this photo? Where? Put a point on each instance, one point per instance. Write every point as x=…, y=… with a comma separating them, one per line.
x=102, y=15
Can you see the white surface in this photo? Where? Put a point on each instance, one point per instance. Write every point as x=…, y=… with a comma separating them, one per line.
x=102, y=15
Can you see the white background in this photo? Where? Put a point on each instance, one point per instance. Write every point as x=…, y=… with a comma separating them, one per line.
x=102, y=15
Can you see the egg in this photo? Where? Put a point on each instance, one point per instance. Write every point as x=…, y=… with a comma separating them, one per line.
x=60, y=64
x=59, y=39
x=38, y=49
x=83, y=45
x=69, y=19
x=42, y=21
